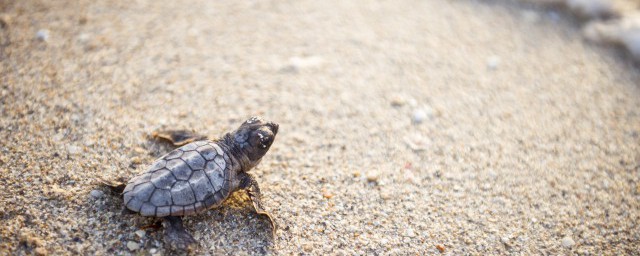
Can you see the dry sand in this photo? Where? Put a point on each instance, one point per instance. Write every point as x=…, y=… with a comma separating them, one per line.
x=525, y=139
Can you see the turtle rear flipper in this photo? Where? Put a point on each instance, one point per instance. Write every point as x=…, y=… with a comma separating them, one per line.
x=176, y=236
x=178, y=137
x=116, y=187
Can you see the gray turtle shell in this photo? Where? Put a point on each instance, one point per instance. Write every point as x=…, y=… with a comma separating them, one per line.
x=187, y=180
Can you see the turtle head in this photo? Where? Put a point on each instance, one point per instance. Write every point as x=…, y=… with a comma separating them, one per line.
x=254, y=138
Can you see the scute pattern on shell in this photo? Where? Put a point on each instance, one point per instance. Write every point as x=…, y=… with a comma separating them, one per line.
x=185, y=181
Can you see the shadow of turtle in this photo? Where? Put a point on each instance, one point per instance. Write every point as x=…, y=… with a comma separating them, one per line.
x=232, y=228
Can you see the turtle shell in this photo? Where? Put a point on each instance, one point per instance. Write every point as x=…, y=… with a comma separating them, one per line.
x=185, y=181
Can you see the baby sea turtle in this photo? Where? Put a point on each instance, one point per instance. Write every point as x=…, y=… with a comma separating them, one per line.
x=200, y=175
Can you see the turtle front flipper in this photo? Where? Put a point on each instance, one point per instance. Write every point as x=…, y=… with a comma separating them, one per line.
x=257, y=205
x=251, y=185
x=178, y=137
x=175, y=236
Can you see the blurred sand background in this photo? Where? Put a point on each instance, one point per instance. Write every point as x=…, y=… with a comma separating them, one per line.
x=406, y=127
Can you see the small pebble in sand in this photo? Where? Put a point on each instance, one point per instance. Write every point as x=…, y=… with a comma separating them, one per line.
x=41, y=251
x=4, y=21
x=373, y=177
x=298, y=63
x=327, y=195
x=96, y=194
x=84, y=37
x=417, y=142
x=568, y=242
x=73, y=150
x=386, y=194
x=82, y=20
x=493, y=62
x=419, y=115
x=398, y=101
x=409, y=232
x=133, y=245
x=440, y=247
x=307, y=247
x=42, y=35
x=304, y=62
x=140, y=233
x=58, y=137
x=136, y=160
x=89, y=143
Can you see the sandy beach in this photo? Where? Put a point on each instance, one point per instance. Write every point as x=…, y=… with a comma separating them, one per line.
x=406, y=127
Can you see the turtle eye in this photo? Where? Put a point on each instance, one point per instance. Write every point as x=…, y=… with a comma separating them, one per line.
x=265, y=140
